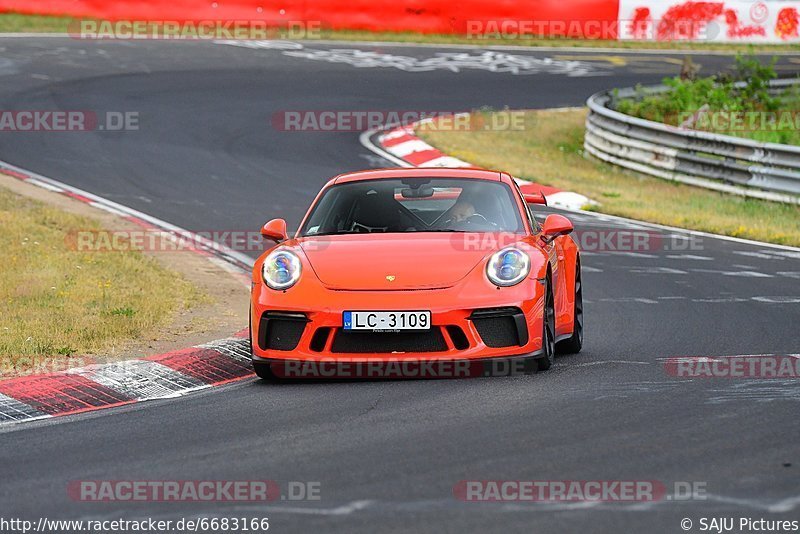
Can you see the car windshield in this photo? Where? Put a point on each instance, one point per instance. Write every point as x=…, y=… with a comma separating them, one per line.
x=415, y=205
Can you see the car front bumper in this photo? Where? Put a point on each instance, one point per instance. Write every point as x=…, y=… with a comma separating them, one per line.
x=466, y=324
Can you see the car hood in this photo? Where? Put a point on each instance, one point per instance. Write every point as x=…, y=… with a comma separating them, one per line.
x=391, y=262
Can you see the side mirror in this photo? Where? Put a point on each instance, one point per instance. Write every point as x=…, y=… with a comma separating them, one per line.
x=554, y=226
x=535, y=198
x=275, y=230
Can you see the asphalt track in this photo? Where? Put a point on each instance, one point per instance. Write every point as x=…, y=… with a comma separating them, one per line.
x=388, y=454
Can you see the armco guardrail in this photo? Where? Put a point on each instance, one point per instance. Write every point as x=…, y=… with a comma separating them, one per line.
x=724, y=163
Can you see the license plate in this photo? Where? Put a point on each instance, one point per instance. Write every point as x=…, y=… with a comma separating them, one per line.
x=386, y=321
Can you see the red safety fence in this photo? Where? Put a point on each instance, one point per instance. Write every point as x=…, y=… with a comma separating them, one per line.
x=749, y=21
x=550, y=17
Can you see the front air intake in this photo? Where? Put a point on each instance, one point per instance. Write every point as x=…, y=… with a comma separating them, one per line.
x=281, y=330
x=501, y=327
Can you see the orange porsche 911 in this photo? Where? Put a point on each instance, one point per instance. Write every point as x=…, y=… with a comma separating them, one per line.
x=417, y=266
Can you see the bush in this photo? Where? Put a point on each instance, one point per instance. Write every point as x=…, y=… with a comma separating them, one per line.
x=765, y=117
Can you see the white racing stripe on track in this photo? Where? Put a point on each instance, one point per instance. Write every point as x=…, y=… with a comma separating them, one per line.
x=655, y=270
x=493, y=61
x=609, y=362
x=777, y=300
x=753, y=254
x=228, y=509
x=780, y=299
x=788, y=254
x=770, y=254
x=346, y=509
x=688, y=257
x=744, y=274
x=750, y=390
x=640, y=300
x=626, y=253
x=719, y=300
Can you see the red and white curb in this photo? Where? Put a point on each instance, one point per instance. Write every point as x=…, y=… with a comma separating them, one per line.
x=99, y=386
x=173, y=374
x=401, y=146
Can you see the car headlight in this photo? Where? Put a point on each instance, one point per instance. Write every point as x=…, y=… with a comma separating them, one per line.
x=281, y=269
x=508, y=267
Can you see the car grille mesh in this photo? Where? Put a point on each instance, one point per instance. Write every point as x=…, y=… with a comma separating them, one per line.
x=501, y=327
x=281, y=331
x=388, y=342
x=497, y=331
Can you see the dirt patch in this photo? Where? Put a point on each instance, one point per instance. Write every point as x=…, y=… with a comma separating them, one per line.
x=221, y=313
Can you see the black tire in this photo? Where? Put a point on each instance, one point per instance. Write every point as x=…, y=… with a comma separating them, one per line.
x=548, y=357
x=263, y=370
x=574, y=343
x=250, y=331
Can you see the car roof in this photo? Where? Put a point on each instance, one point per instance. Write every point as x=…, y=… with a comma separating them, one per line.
x=419, y=172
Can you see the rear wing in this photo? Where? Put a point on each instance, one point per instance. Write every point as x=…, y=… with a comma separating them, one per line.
x=535, y=198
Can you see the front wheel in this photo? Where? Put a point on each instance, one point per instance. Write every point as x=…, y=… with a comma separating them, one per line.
x=264, y=371
x=548, y=357
x=573, y=344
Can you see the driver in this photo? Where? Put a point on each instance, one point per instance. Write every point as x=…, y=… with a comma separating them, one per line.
x=461, y=211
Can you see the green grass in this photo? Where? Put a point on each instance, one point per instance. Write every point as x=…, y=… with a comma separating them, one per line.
x=14, y=23
x=780, y=125
x=715, y=104
x=56, y=302
x=548, y=148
